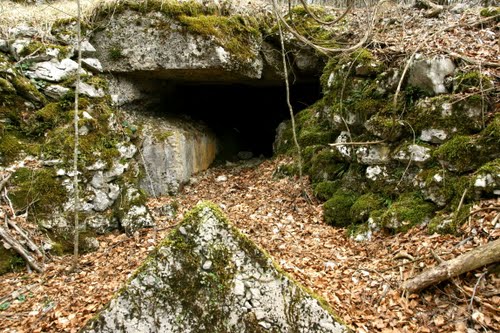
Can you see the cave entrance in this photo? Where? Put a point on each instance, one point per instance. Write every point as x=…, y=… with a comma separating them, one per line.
x=244, y=117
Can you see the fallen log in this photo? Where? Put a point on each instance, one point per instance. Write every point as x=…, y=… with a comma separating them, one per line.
x=14, y=244
x=480, y=256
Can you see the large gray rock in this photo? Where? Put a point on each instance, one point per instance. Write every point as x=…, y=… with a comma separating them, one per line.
x=429, y=74
x=53, y=71
x=171, y=152
x=208, y=277
x=137, y=42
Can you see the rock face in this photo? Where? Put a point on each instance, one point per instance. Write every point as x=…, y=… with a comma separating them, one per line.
x=171, y=152
x=206, y=277
x=133, y=41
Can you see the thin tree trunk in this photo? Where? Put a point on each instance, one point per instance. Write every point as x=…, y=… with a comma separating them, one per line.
x=287, y=85
x=75, y=152
x=480, y=256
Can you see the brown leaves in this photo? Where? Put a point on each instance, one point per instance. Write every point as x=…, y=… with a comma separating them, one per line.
x=359, y=280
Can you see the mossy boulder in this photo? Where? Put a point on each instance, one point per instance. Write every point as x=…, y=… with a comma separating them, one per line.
x=38, y=191
x=326, y=164
x=337, y=210
x=448, y=114
x=461, y=154
x=407, y=211
x=364, y=205
x=10, y=260
x=326, y=189
x=486, y=179
x=207, y=275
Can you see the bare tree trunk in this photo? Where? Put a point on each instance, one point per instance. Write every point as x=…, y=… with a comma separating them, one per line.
x=5, y=235
x=480, y=256
x=75, y=152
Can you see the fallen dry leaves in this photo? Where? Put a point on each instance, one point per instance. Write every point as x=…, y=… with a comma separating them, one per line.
x=359, y=280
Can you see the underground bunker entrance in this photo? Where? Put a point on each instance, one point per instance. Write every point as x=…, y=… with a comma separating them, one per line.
x=244, y=117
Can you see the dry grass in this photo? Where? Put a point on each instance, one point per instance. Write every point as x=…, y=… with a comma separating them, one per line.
x=41, y=16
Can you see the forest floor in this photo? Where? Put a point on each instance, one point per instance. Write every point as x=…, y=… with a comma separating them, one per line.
x=360, y=280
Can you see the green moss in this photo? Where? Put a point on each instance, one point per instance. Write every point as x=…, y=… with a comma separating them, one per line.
x=490, y=136
x=10, y=261
x=490, y=11
x=336, y=211
x=387, y=128
x=461, y=154
x=408, y=211
x=26, y=89
x=62, y=241
x=10, y=147
x=327, y=164
x=447, y=112
x=364, y=205
x=325, y=190
x=472, y=80
x=42, y=120
x=6, y=88
x=38, y=191
x=234, y=33
x=38, y=48
x=115, y=52
x=161, y=136
x=307, y=26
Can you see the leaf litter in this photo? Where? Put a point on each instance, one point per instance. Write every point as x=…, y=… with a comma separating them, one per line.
x=360, y=280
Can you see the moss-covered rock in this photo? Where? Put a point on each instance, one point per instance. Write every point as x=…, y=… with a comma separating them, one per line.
x=407, y=211
x=38, y=191
x=471, y=81
x=326, y=189
x=364, y=205
x=461, y=154
x=337, y=210
x=325, y=165
x=486, y=179
x=449, y=113
x=206, y=274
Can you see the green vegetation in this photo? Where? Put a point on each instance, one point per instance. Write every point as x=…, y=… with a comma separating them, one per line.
x=408, y=211
x=462, y=154
x=307, y=26
x=233, y=33
x=325, y=190
x=115, y=52
x=10, y=261
x=38, y=191
x=336, y=211
x=471, y=80
x=490, y=11
x=364, y=205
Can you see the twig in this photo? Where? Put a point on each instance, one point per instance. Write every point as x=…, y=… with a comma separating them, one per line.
x=12, y=242
x=472, y=61
x=356, y=143
x=4, y=181
x=31, y=245
x=475, y=289
x=287, y=84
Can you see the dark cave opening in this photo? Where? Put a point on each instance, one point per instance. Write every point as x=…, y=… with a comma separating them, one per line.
x=244, y=117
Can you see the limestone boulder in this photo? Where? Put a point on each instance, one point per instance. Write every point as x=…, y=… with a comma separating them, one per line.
x=207, y=277
x=429, y=74
x=53, y=71
x=153, y=42
x=171, y=152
